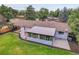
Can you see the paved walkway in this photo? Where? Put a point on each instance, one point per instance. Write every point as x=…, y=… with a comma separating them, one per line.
x=61, y=44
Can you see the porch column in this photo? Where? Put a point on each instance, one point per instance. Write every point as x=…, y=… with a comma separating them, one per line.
x=39, y=36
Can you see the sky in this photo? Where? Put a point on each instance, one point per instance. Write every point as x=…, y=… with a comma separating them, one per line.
x=38, y=6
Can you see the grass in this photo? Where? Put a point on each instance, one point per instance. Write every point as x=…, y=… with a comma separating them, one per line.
x=10, y=43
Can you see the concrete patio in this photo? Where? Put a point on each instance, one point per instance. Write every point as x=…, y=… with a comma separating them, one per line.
x=61, y=44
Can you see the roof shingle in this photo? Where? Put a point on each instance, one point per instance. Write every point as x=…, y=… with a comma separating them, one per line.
x=60, y=26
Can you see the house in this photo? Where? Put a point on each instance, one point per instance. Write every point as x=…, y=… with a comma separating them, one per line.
x=57, y=19
x=20, y=16
x=45, y=32
x=52, y=18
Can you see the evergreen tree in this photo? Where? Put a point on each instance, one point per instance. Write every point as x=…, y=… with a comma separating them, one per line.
x=30, y=13
x=43, y=13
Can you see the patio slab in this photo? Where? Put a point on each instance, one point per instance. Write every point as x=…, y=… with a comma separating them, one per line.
x=61, y=43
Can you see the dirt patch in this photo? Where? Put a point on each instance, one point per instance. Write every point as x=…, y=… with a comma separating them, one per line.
x=74, y=47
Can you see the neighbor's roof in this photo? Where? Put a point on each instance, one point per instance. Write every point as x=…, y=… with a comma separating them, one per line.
x=60, y=26
x=42, y=30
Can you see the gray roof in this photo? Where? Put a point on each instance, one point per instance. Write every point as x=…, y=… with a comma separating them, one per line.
x=42, y=30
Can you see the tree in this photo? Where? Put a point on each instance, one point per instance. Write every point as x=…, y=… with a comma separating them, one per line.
x=52, y=13
x=7, y=12
x=21, y=12
x=37, y=14
x=56, y=13
x=30, y=13
x=73, y=21
x=64, y=14
x=43, y=13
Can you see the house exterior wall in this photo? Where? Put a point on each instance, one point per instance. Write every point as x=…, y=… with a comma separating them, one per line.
x=40, y=36
x=38, y=40
x=22, y=33
x=57, y=35
x=61, y=36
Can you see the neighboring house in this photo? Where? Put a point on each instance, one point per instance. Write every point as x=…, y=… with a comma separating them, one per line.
x=45, y=32
x=20, y=16
x=57, y=19
x=52, y=18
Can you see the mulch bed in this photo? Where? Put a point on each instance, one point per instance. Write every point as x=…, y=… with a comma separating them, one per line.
x=74, y=47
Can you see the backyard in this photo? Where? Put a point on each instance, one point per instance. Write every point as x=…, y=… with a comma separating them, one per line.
x=10, y=43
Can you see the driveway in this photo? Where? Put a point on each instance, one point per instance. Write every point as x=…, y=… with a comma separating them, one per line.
x=61, y=43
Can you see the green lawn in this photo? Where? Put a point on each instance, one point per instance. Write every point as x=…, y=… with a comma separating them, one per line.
x=10, y=43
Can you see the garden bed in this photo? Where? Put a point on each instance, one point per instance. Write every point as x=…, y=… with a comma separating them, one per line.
x=74, y=46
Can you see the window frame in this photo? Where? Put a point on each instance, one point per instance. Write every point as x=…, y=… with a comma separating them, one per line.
x=60, y=32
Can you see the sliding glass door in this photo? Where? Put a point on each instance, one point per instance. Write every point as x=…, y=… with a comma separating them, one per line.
x=45, y=37
x=40, y=36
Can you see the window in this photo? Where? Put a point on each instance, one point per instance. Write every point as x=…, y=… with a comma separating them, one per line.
x=45, y=37
x=49, y=38
x=30, y=34
x=42, y=37
x=61, y=32
x=35, y=35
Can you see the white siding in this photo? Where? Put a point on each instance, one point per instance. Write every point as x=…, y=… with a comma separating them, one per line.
x=61, y=36
x=22, y=33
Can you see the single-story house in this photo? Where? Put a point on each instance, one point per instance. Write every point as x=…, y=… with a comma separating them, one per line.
x=45, y=32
